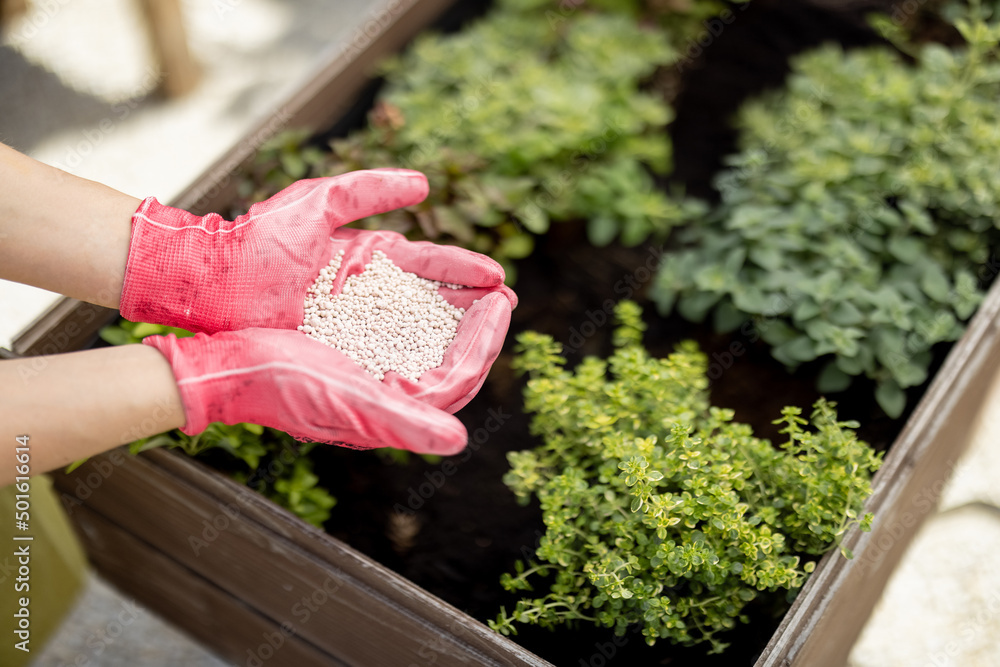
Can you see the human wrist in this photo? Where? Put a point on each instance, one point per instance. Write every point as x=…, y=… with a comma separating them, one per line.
x=170, y=350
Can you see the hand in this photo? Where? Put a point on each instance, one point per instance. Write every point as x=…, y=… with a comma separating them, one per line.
x=285, y=380
x=206, y=274
x=482, y=329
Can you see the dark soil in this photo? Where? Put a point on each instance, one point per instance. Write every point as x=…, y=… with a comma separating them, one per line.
x=461, y=527
x=466, y=528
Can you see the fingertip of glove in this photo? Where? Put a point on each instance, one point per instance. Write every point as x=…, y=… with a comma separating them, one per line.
x=159, y=341
x=497, y=302
x=450, y=441
x=413, y=179
x=452, y=448
x=511, y=296
x=396, y=170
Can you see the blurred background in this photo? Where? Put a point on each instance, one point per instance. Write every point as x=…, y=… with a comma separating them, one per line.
x=144, y=98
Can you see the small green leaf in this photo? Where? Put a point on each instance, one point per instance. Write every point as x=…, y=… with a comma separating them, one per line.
x=694, y=307
x=907, y=249
x=294, y=165
x=832, y=379
x=534, y=219
x=144, y=329
x=890, y=398
x=728, y=318
x=935, y=283
x=601, y=230
x=115, y=335
x=846, y=314
x=796, y=351
x=518, y=246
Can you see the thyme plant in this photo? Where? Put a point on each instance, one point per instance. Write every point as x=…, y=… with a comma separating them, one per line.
x=659, y=509
x=859, y=213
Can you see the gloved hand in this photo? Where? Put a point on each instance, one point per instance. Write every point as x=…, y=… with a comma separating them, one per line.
x=206, y=274
x=285, y=380
x=482, y=329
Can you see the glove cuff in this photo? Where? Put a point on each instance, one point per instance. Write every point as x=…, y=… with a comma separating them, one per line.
x=198, y=409
x=170, y=276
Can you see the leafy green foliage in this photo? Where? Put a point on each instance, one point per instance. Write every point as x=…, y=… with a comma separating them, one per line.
x=276, y=464
x=529, y=116
x=128, y=333
x=294, y=489
x=660, y=509
x=857, y=214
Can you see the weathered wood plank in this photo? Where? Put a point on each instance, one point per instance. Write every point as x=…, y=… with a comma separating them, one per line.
x=67, y=326
x=401, y=592
x=331, y=596
x=217, y=619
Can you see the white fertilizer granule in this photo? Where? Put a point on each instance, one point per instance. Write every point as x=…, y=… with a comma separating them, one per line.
x=384, y=318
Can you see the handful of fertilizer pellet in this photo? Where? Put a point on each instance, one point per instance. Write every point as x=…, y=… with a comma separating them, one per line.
x=384, y=319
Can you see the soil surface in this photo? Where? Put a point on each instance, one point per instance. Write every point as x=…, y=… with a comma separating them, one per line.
x=463, y=527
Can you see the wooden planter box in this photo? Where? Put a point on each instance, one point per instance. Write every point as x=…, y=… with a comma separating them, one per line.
x=260, y=586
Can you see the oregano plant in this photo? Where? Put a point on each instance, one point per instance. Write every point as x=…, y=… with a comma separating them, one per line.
x=659, y=509
x=856, y=219
x=539, y=112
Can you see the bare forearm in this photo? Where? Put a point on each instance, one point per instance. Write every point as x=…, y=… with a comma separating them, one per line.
x=61, y=232
x=77, y=405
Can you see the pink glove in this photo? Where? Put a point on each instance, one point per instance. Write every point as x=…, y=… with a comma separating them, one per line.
x=207, y=274
x=481, y=331
x=285, y=380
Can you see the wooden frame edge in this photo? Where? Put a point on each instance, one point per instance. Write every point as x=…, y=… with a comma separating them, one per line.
x=819, y=630
x=221, y=532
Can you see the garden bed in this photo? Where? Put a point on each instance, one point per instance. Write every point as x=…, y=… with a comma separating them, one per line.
x=460, y=527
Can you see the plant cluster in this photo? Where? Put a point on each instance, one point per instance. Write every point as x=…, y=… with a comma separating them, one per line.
x=276, y=465
x=856, y=218
x=531, y=115
x=659, y=509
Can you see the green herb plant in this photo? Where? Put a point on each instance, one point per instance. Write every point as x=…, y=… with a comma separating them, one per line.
x=659, y=509
x=856, y=218
x=275, y=464
x=528, y=116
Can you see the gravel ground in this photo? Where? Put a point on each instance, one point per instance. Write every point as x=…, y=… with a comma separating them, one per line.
x=106, y=629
